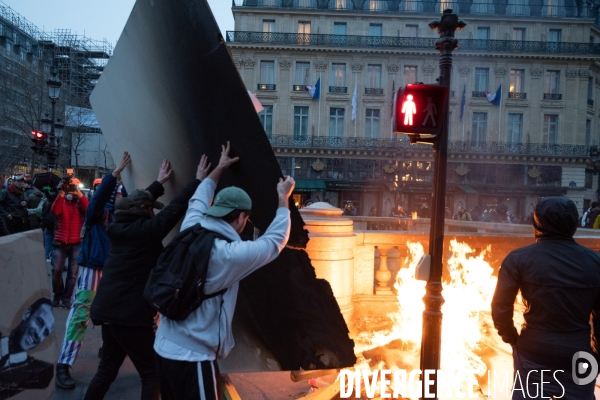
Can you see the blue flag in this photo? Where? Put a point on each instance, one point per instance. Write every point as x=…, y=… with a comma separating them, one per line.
x=462, y=101
x=496, y=97
x=315, y=91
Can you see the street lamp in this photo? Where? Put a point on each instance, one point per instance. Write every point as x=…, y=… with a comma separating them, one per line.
x=52, y=150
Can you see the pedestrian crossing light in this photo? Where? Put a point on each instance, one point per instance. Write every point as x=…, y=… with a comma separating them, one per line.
x=39, y=141
x=419, y=111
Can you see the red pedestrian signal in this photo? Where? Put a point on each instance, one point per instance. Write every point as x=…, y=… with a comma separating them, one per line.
x=419, y=111
x=39, y=141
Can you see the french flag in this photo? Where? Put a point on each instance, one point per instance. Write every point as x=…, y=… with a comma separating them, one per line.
x=496, y=97
x=314, y=91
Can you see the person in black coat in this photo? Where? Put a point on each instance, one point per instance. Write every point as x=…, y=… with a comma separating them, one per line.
x=127, y=320
x=559, y=282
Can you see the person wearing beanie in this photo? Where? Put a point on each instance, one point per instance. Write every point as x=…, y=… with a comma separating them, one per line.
x=13, y=206
x=559, y=281
x=95, y=247
x=127, y=320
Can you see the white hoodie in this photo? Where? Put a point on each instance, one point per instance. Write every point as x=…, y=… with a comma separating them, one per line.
x=208, y=328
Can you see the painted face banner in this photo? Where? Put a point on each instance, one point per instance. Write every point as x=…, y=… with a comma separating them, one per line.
x=28, y=347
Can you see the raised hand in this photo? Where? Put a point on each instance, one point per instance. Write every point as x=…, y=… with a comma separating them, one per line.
x=124, y=162
x=203, y=168
x=164, y=171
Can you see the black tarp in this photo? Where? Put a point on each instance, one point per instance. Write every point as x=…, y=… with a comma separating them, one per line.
x=171, y=90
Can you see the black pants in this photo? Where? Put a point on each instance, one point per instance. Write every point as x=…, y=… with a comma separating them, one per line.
x=121, y=341
x=187, y=380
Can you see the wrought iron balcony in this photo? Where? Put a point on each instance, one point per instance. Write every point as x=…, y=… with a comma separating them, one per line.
x=299, y=88
x=533, y=9
x=266, y=86
x=478, y=94
x=419, y=43
x=378, y=91
x=399, y=142
x=552, y=96
x=517, y=95
x=590, y=102
x=338, y=89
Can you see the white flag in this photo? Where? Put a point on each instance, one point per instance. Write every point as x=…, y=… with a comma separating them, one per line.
x=354, y=103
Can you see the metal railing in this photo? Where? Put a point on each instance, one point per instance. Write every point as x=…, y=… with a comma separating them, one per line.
x=552, y=96
x=517, y=95
x=338, y=89
x=478, y=94
x=373, y=91
x=540, y=9
x=266, y=86
x=299, y=88
x=395, y=42
x=399, y=142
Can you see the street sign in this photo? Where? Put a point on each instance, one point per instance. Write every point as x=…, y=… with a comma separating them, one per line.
x=419, y=110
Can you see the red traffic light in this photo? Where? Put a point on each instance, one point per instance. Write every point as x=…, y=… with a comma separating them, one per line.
x=38, y=135
x=419, y=110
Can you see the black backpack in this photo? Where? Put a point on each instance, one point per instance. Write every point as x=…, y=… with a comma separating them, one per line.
x=47, y=218
x=175, y=287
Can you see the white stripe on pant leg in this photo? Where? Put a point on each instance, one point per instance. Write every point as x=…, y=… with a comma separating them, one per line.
x=200, y=381
x=214, y=378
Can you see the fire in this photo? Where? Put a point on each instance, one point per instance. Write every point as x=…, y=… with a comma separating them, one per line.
x=414, y=215
x=466, y=313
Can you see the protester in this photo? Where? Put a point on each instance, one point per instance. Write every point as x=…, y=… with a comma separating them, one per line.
x=463, y=215
x=559, y=281
x=585, y=221
x=94, y=251
x=13, y=207
x=48, y=220
x=187, y=350
x=127, y=320
x=69, y=209
x=398, y=211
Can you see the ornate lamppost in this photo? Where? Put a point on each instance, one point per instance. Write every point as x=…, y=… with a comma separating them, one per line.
x=53, y=129
x=432, y=316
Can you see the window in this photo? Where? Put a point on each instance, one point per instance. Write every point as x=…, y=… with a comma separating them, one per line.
x=266, y=119
x=372, y=123
x=410, y=74
x=300, y=123
x=483, y=33
x=516, y=80
x=338, y=75
x=552, y=82
x=268, y=26
x=302, y=75
x=554, y=35
x=518, y=34
x=304, y=3
x=550, y=132
x=339, y=32
x=375, y=30
x=303, y=32
x=481, y=79
x=515, y=128
x=374, y=76
x=590, y=91
x=412, y=31
x=479, y=128
x=340, y=4
x=336, y=122
x=588, y=132
x=267, y=72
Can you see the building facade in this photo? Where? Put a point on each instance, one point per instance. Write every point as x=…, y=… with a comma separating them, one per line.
x=341, y=147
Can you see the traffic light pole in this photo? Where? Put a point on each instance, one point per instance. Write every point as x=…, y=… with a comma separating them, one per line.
x=432, y=316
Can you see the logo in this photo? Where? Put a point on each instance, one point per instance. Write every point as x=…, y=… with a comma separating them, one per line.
x=588, y=367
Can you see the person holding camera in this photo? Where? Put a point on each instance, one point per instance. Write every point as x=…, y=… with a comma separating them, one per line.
x=69, y=209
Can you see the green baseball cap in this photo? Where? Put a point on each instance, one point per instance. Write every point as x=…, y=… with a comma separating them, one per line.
x=229, y=199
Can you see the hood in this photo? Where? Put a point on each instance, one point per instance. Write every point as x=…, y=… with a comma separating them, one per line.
x=555, y=217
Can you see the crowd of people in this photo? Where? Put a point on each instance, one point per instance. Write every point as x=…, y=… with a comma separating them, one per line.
x=110, y=244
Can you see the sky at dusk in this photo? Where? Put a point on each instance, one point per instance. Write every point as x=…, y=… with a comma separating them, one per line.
x=97, y=19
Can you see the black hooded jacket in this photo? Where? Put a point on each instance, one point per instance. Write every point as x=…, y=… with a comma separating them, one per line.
x=135, y=245
x=560, y=285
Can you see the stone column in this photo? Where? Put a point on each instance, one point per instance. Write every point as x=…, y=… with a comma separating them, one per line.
x=383, y=274
x=331, y=250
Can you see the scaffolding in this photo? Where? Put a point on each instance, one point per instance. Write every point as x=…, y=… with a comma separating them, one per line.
x=27, y=51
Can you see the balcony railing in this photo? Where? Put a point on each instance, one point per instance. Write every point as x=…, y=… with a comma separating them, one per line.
x=431, y=6
x=338, y=89
x=478, y=94
x=552, y=96
x=517, y=95
x=266, y=86
x=299, y=88
x=590, y=102
x=399, y=142
x=373, y=91
x=466, y=45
